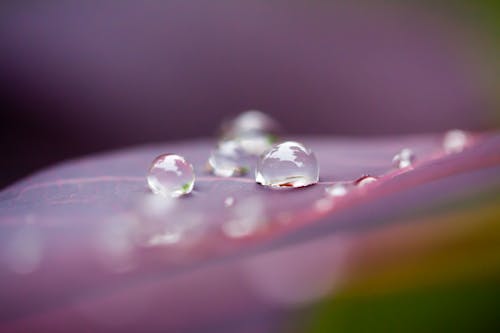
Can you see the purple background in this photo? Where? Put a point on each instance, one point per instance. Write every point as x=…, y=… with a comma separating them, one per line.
x=87, y=76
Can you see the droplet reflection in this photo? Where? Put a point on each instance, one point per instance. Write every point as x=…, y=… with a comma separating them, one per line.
x=180, y=227
x=247, y=218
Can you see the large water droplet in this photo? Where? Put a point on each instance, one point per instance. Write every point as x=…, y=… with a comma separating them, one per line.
x=230, y=160
x=455, y=141
x=171, y=176
x=404, y=158
x=289, y=164
x=249, y=121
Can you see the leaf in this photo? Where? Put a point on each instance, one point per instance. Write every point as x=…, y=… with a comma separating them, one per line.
x=86, y=246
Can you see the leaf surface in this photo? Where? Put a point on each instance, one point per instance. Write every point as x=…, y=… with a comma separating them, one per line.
x=78, y=250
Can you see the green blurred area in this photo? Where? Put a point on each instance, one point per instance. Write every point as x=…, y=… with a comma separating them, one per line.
x=484, y=13
x=449, y=284
x=462, y=307
x=482, y=18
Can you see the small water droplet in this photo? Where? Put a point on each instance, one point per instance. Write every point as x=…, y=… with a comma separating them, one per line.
x=230, y=160
x=288, y=164
x=365, y=180
x=336, y=190
x=455, y=141
x=229, y=201
x=171, y=175
x=249, y=121
x=403, y=159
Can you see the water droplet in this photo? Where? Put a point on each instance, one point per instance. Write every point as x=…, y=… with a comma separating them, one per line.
x=249, y=121
x=404, y=158
x=336, y=190
x=365, y=180
x=171, y=176
x=455, y=141
x=288, y=164
x=229, y=201
x=230, y=160
x=256, y=143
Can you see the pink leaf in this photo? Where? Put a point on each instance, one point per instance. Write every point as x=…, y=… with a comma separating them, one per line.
x=77, y=245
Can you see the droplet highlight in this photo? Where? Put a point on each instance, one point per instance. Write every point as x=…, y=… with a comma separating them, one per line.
x=336, y=190
x=229, y=201
x=455, y=141
x=404, y=159
x=171, y=175
x=365, y=180
x=288, y=164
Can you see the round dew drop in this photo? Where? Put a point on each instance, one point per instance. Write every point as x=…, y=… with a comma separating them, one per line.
x=250, y=121
x=171, y=175
x=230, y=160
x=403, y=159
x=288, y=164
x=455, y=141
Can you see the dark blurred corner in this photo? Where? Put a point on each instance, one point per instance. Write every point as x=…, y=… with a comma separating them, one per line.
x=84, y=76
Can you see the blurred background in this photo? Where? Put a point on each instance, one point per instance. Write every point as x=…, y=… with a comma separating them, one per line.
x=78, y=77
